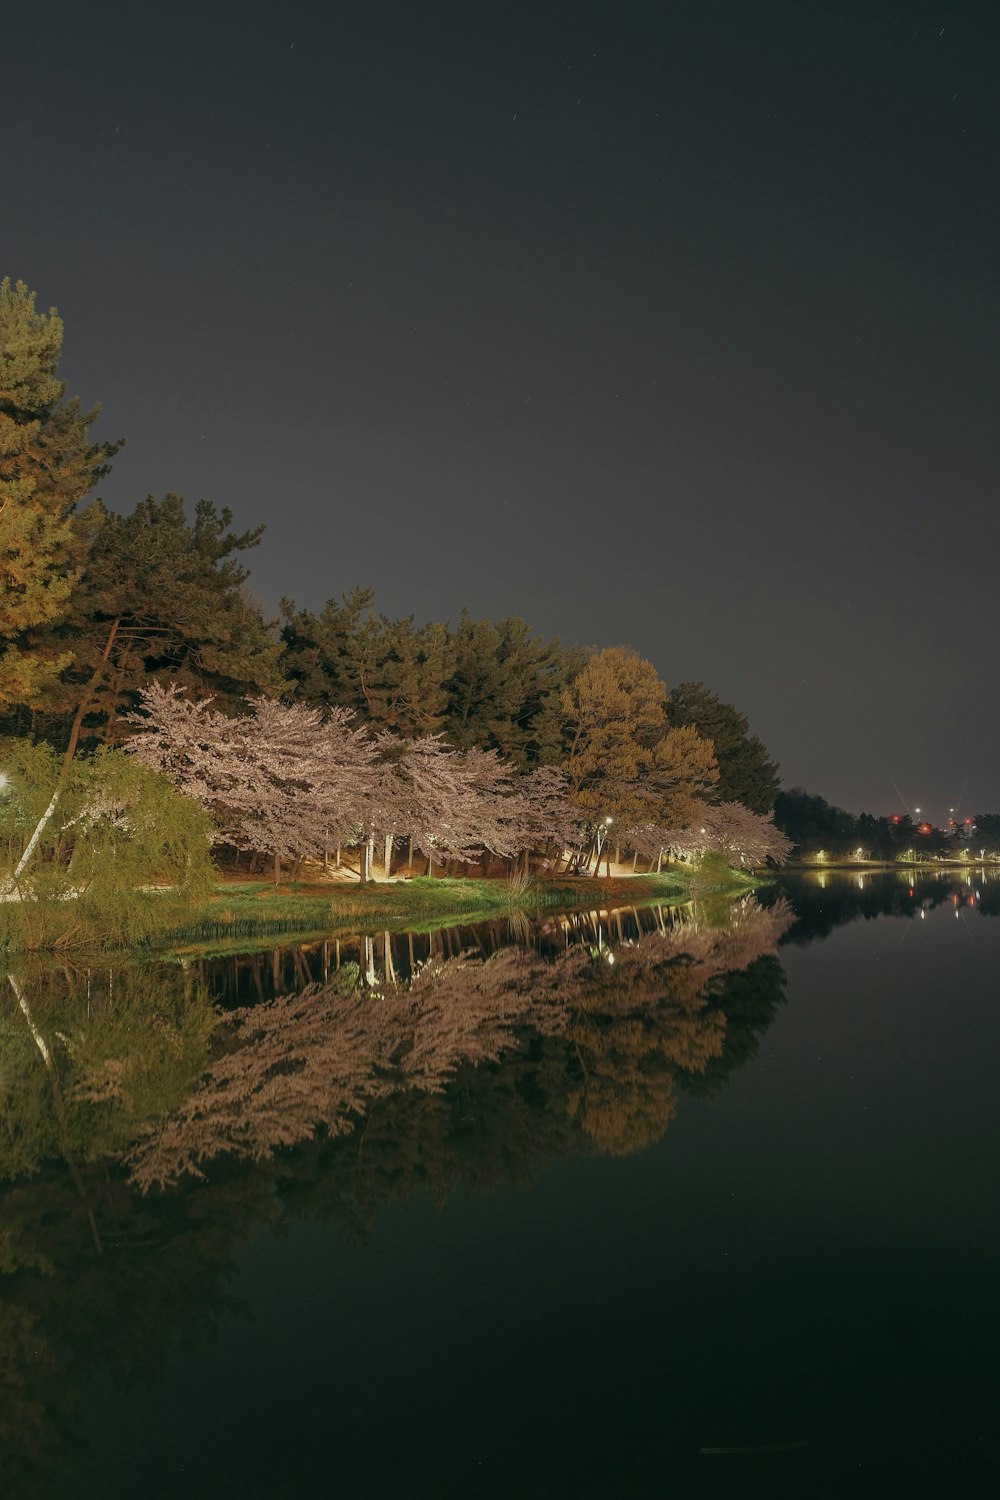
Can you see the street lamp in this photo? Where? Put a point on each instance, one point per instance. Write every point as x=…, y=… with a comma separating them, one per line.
x=602, y=833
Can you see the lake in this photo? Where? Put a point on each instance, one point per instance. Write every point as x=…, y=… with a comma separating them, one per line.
x=692, y=1201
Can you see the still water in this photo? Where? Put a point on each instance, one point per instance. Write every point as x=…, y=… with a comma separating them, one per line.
x=681, y=1201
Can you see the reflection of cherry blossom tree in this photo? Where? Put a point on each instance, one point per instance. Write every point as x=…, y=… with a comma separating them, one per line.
x=321, y=1059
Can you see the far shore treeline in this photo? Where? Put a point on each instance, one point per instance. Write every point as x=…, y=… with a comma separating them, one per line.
x=344, y=735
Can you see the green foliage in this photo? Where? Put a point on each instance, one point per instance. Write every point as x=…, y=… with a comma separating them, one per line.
x=159, y=597
x=47, y=466
x=122, y=858
x=712, y=872
x=486, y=685
x=987, y=832
x=125, y=1046
x=504, y=690
x=812, y=824
x=747, y=774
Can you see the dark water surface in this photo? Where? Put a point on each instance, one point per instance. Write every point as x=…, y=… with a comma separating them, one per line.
x=679, y=1202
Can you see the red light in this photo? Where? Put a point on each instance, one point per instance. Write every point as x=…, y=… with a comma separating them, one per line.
x=968, y=820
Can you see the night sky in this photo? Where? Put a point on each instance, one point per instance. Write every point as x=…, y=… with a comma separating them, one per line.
x=665, y=324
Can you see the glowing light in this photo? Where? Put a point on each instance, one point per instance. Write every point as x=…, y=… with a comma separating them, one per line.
x=610, y=956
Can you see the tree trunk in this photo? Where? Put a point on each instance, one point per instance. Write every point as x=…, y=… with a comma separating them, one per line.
x=388, y=856
x=60, y=1108
x=74, y=740
x=22, y=863
x=88, y=694
x=277, y=869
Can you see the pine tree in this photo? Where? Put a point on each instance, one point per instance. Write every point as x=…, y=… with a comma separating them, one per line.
x=159, y=597
x=47, y=466
x=747, y=773
x=624, y=761
x=504, y=689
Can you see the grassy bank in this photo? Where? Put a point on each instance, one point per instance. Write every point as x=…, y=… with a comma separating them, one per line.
x=250, y=910
x=251, y=914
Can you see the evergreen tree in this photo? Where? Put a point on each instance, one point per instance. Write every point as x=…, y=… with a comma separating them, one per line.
x=747, y=774
x=486, y=685
x=505, y=688
x=47, y=466
x=320, y=652
x=624, y=760
x=159, y=598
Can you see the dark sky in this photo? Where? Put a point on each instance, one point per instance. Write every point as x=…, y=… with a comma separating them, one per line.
x=672, y=324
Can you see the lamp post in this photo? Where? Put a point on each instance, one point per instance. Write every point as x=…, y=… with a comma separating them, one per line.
x=602, y=833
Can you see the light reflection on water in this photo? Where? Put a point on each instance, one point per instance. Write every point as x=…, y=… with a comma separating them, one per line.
x=747, y=1199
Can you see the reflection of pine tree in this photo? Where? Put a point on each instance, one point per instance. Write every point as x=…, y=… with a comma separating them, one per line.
x=159, y=1285
x=749, y=1000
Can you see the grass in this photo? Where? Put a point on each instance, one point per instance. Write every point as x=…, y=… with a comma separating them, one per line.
x=247, y=911
x=245, y=915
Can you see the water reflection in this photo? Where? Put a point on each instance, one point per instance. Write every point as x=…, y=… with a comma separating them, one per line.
x=630, y=1000
x=433, y=1063
x=827, y=900
x=244, y=978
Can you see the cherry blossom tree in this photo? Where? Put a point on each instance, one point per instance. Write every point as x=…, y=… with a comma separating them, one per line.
x=283, y=780
x=289, y=780
x=745, y=838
